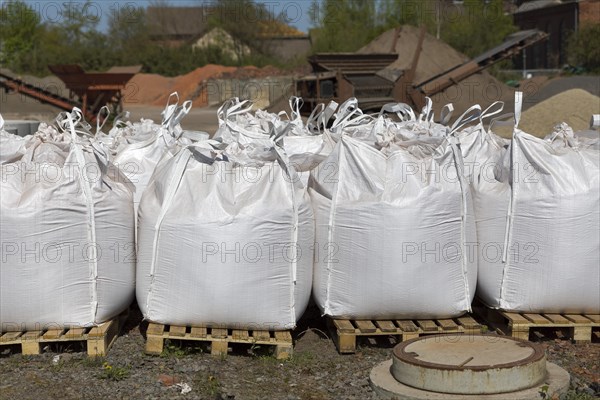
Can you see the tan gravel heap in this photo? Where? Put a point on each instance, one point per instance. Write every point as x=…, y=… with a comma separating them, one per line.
x=437, y=57
x=575, y=107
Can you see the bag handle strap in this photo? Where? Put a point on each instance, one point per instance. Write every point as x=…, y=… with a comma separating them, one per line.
x=64, y=120
x=100, y=122
x=345, y=112
x=296, y=104
x=472, y=114
x=446, y=114
x=315, y=114
x=402, y=110
x=327, y=113
x=518, y=107
x=174, y=127
x=170, y=108
x=322, y=118
x=490, y=111
x=233, y=107
x=427, y=111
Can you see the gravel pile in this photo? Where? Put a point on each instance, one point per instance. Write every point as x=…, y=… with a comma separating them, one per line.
x=575, y=107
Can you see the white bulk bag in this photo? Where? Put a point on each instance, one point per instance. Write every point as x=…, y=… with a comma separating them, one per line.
x=305, y=144
x=225, y=243
x=66, y=227
x=12, y=147
x=392, y=231
x=548, y=238
x=308, y=144
x=139, y=147
x=482, y=150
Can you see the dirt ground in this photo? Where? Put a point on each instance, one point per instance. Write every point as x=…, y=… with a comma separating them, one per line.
x=315, y=372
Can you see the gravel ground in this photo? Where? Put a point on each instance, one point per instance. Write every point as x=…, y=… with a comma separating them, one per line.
x=315, y=372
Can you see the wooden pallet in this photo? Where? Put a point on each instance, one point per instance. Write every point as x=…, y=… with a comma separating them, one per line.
x=345, y=331
x=219, y=338
x=521, y=325
x=98, y=339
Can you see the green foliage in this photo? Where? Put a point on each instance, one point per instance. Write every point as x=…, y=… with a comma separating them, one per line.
x=208, y=384
x=19, y=32
x=173, y=350
x=477, y=28
x=347, y=25
x=92, y=362
x=574, y=395
x=114, y=373
x=343, y=25
x=410, y=12
x=583, y=48
x=28, y=45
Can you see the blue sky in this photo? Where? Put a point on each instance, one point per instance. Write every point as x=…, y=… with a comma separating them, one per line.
x=295, y=10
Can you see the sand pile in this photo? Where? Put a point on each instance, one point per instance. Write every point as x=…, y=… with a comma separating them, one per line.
x=575, y=107
x=155, y=89
x=437, y=57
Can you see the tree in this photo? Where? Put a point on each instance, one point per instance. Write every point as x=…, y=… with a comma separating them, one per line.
x=583, y=48
x=20, y=29
x=129, y=35
x=477, y=27
x=409, y=12
x=247, y=23
x=343, y=25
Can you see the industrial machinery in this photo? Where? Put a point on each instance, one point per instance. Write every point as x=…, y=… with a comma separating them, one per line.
x=87, y=91
x=339, y=76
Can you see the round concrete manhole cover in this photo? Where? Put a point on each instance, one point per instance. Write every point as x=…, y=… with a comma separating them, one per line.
x=469, y=364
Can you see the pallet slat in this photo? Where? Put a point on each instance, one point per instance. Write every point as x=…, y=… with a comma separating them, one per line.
x=344, y=325
x=407, y=326
x=594, y=317
x=219, y=333
x=239, y=334
x=100, y=330
x=521, y=325
x=53, y=334
x=98, y=339
x=366, y=326
x=155, y=329
x=177, y=331
x=536, y=319
x=31, y=335
x=346, y=332
x=283, y=336
x=263, y=336
x=427, y=325
x=386, y=326
x=516, y=319
x=448, y=324
x=198, y=332
x=10, y=336
x=219, y=338
x=556, y=318
x=578, y=319
x=74, y=333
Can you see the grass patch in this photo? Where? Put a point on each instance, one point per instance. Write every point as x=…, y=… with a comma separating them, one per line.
x=114, y=373
x=207, y=384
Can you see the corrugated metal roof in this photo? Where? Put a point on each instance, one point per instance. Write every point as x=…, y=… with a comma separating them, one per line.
x=352, y=62
x=537, y=4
